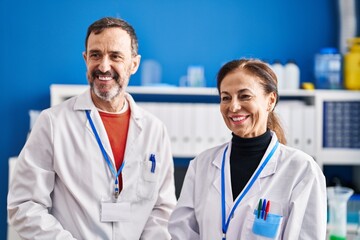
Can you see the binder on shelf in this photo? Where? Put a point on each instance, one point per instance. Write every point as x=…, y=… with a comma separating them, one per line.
x=175, y=128
x=309, y=129
x=283, y=111
x=296, y=125
x=223, y=134
x=186, y=129
x=200, y=127
x=212, y=127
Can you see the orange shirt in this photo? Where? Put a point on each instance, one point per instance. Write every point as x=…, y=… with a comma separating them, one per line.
x=117, y=126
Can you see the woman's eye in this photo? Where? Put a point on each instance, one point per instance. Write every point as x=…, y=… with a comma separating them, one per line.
x=225, y=98
x=245, y=97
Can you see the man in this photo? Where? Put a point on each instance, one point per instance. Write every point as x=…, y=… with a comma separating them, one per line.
x=96, y=166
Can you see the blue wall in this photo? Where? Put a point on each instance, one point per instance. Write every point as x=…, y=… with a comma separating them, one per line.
x=42, y=42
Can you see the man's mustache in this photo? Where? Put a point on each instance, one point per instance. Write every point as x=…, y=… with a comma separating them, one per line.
x=97, y=72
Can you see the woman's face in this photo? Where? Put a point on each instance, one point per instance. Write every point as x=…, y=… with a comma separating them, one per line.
x=244, y=105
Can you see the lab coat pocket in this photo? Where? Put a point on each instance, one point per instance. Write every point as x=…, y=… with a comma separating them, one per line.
x=260, y=229
x=147, y=182
x=267, y=228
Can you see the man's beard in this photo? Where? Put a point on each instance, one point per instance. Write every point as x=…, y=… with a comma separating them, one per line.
x=114, y=90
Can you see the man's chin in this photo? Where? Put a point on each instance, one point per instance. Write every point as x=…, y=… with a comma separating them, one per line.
x=107, y=95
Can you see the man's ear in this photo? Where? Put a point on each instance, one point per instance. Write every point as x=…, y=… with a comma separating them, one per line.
x=84, y=56
x=135, y=64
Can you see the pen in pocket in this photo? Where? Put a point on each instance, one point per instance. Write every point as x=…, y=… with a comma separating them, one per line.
x=153, y=162
x=259, y=208
x=263, y=208
x=267, y=209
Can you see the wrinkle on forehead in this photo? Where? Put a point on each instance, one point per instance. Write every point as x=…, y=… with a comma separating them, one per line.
x=110, y=40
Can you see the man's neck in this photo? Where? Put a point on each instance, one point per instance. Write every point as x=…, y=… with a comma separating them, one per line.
x=114, y=105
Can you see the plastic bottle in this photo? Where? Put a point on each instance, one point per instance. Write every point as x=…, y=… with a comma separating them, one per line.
x=337, y=199
x=328, y=69
x=292, y=75
x=150, y=73
x=352, y=65
x=278, y=69
x=196, y=76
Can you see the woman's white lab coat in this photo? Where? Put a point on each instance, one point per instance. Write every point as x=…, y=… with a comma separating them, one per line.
x=61, y=177
x=291, y=180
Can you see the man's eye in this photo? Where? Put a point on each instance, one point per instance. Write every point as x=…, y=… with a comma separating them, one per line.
x=94, y=55
x=116, y=57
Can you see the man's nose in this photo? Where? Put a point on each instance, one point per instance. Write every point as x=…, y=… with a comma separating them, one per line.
x=105, y=64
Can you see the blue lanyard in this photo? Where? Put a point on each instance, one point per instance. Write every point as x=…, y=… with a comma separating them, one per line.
x=106, y=157
x=225, y=223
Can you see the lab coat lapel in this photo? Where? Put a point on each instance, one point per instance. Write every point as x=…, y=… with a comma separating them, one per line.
x=84, y=103
x=100, y=128
x=135, y=128
x=133, y=134
x=217, y=180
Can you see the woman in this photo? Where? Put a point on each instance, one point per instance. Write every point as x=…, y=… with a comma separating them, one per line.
x=254, y=187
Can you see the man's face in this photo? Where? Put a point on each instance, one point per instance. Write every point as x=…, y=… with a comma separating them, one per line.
x=110, y=63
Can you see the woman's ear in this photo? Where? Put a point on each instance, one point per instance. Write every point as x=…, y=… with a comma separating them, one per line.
x=272, y=101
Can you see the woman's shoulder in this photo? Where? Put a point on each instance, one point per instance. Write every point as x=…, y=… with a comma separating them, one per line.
x=208, y=156
x=297, y=159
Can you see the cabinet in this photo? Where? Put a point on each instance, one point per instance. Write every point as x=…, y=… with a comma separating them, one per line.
x=323, y=123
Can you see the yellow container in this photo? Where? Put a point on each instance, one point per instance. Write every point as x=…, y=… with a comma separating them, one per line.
x=352, y=65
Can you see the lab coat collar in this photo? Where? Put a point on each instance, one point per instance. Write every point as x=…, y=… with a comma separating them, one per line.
x=84, y=102
x=217, y=162
x=269, y=170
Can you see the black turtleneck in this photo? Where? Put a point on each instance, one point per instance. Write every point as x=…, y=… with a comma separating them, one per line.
x=245, y=156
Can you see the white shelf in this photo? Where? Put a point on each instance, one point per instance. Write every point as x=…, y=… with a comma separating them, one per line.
x=327, y=156
x=59, y=92
x=339, y=156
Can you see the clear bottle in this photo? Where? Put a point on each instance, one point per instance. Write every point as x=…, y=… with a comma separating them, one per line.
x=278, y=69
x=352, y=65
x=150, y=73
x=328, y=69
x=292, y=75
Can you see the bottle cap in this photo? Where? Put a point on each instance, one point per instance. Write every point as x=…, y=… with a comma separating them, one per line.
x=308, y=86
x=354, y=44
x=329, y=50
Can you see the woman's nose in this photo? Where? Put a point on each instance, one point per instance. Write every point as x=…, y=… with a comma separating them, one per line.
x=235, y=106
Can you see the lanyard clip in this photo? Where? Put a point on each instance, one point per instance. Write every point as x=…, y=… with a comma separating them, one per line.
x=116, y=190
x=224, y=236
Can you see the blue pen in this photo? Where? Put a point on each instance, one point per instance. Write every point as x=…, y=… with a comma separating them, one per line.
x=153, y=162
x=263, y=209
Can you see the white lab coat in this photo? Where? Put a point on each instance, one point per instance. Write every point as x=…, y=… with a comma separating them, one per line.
x=61, y=177
x=291, y=180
